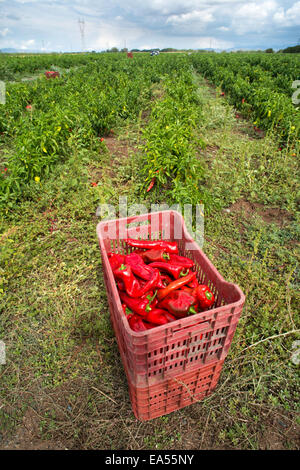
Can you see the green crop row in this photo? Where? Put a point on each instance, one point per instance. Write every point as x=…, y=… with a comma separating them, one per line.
x=171, y=150
x=42, y=121
x=14, y=66
x=258, y=85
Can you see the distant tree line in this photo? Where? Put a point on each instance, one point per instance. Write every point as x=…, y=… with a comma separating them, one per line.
x=288, y=50
x=291, y=50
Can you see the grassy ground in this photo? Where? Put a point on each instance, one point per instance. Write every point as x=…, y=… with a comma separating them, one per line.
x=63, y=384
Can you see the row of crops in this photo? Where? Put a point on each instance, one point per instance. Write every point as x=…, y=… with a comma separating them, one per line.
x=171, y=149
x=43, y=121
x=12, y=67
x=260, y=86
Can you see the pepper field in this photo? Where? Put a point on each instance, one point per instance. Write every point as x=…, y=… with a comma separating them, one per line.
x=220, y=129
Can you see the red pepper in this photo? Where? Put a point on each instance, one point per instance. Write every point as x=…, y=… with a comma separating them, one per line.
x=149, y=325
x=151, y=184
x=139, y=306
x=151, y=296
x=138, y=266
x=152, y=283
x=151, y=256
x=179, y=303
x=170, y=247
x=162, y=293
x=165, y=279
x=131, y=284
x=159, y=316
x=194, y=283
x=115, y=260
x=120, y=285
x=134, y=258
x=182, y=260
x=169, y=316
x=192, y=292
x=136, y=323
x=142, y=270
x=175, y=270
x=205, y=296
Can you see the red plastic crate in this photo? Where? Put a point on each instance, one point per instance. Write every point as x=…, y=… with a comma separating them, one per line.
x=51, y=74
x=182, y=346
x=174, y=393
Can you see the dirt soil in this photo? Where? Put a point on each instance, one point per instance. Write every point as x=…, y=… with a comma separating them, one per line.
x=269, y=215
x=79, y=428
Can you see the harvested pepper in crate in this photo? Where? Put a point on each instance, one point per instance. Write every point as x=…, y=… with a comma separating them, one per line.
x=132, y=286
x=115, y=260
x=159, y=316
x=140, y=269
x=179, y=303
x=205, y=296
x=164, y=290
x=194, y=283
x=175, y=270
x=170, y=247
x=136, y=323
x=162, y=293
x=182, y=260
x=138, y=266
x=139, y=306
x=150, y=256
x=165, y=279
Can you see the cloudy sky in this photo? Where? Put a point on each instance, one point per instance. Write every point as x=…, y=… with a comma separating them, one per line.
x=221, y=24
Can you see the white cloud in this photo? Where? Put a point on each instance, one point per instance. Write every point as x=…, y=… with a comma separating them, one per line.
x=254, y=17
x=108, y=35
x=256, y=10
x=4, y=32
x=190, y=17
x=290, y=17
x=27, y=44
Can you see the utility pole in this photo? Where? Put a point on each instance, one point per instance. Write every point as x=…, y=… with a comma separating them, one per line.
x=81, y=24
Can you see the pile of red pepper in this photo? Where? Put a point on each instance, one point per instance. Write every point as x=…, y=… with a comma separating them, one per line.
x=156, y=285
x=51, y=74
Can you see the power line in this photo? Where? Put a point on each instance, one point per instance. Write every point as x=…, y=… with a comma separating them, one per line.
x=81, y=24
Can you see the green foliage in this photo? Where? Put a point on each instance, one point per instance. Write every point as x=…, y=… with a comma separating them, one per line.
x=258, y=85
x=171, y=144
x=292, y=50
x=44, y=119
